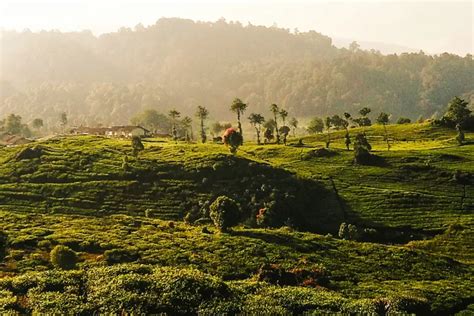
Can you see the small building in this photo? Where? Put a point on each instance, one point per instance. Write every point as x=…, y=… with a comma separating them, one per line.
x=7, y=139
x=84, y=130
x=127, y=131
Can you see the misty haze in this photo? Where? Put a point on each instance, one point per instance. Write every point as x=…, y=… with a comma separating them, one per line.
x=238, y=158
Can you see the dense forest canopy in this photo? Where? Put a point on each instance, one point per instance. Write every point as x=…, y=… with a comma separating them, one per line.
x=181, y=64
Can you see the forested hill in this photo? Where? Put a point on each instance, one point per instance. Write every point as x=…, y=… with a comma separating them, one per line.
x=180, y=63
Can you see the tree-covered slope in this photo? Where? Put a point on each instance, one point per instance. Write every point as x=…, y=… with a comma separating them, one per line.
x=181, y=63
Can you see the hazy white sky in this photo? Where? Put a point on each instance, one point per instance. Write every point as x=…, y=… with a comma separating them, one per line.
x=434, y=26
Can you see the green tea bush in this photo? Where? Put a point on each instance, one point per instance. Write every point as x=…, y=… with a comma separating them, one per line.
x=114, y=256
x=145, y=290
x=224, y=212
x=63, y=257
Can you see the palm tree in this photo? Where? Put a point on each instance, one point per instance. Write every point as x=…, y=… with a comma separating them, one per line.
x=238, y=107
x=202, y=113
x=174, y=115
x=186, y=123
x=283, y=115
x=257, y=120
x=274, y=109
x=383, y=119
x=328, y=123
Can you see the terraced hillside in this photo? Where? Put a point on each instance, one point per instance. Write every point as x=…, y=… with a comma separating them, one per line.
x=414, y=188
x=254, y=271
x=89, y=193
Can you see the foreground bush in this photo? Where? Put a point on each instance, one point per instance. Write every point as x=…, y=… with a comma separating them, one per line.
x=224, y=212
x=145, y=289
x=63, y=257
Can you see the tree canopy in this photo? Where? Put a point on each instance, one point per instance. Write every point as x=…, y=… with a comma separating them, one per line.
x=181, y=63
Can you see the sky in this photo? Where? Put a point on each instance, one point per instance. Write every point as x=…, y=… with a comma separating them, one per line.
x=432, y=26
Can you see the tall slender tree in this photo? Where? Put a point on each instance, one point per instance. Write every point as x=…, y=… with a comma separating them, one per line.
x=276, y=111
x=328, y=124
x=186, y=124
x=283, y=115
x=202, y=113
x=174, y=115
x=347, y=137
x=257, y=120
x=384, y=119
x=239, y=108
x=294, y=124
x=63, y=120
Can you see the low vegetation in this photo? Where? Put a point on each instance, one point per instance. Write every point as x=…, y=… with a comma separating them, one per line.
x=370, y=219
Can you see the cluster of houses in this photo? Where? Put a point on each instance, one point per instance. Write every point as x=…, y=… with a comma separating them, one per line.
x=7, y=139
x=126, y=131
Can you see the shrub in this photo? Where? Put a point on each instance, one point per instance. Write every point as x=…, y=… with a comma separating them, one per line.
x=120, y=255
x=403, y=120
x=44, y=244
x=63, y=257
x=137, y=145
x=224, y=212
x=362, y=149
x=233, y=139
x=275, y=274
x=348, y=231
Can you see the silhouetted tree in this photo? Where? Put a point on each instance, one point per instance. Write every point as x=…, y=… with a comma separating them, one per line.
x=316, y=125
x=186, y=123
x=233, y=139
x=458, y=112
x=347, y=140
x=152, y=120
x=257, y=120
x=384, y=119
x=174, y=115
x=284, y=131
x=347, y=137
x=283, y=115
x=63, y=119
x=202, y=113
x=276, y=111
x=460, y=136
x=13, y=124
x=362, y=149
x=328, y=124
x=294, y=124
x=363, y=120
x=239, y=108
x=37, y=123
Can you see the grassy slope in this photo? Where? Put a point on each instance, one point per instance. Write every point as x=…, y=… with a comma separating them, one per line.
x=85, y=176
x=356, y=270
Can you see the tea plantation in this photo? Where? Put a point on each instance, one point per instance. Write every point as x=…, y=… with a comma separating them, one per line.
x=140, y=226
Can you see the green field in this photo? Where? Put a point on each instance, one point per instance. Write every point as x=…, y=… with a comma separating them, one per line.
x=91, y=194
